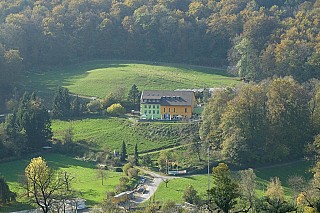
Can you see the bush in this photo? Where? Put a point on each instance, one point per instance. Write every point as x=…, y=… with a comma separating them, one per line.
x=190, y=195
x=126, y=167
x=94, y=106
x=116, y=109
x=133, y=172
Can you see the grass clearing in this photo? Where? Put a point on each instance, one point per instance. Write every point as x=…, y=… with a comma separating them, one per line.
x=111, y=131
x=86, y=181
x=176, y=187
x=99, y=78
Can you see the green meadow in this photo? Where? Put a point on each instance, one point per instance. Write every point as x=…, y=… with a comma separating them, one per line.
x=176, y=187
x=86, y=182
x=110, y=132
x=99, y=78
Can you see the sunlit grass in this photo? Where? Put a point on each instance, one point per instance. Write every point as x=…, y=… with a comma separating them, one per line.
x=109, y=132
x=99, y=78
x=176, y=187
x=85, y=183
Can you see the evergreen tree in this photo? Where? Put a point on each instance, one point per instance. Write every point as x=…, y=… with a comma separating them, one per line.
x=136, y=155
x=134, y=95
x=33, y=118
x=225, y=191
x=61, y=103
x=5, y=194
x=123, y=152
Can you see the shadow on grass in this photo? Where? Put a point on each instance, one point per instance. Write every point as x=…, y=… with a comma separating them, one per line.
x=59, y=161
x=52, y=78
x=17, y=206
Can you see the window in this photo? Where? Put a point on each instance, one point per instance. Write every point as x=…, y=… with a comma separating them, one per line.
x=154, y=106
x=158, y=112
x=164, y=109
x=154, y=112
x=149, y=106
x=145, y=112
x=174, y=109
x=157, y=106
x=149, y=111
x=169, y=109
x=185, y=110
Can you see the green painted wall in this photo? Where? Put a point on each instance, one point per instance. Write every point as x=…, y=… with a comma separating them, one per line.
x=150, y=111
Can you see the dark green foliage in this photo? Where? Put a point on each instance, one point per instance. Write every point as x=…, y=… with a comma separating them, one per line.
x=61, y=107
x=123, y=155
x=33, y=118
x=197, y=32
x=134, y=95
x=225, y=191
x=6, y=195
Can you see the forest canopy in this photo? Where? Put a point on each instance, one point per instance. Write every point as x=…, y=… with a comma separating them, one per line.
x=255, y=39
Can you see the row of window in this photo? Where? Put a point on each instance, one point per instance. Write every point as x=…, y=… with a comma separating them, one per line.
x=154, y=112
x=164, y=109
x=151, y=106
x=174, y=109
x=151, y=100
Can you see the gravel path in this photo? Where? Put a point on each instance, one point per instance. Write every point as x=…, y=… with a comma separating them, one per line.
x=151, y=185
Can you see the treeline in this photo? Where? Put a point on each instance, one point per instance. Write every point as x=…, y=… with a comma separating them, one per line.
x=261, y=123
x=27, y=129
x=260, y=38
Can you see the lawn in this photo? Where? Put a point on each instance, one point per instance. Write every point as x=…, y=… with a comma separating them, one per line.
x=111, y=131
x=98, y=78
x=176, y=187
x=85, y=175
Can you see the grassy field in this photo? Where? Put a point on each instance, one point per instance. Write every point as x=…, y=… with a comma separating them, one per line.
x=176, y=187
x=85, y=181
x=98, y=78
x=108, y=131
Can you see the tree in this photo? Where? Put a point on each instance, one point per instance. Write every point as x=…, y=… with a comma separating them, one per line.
x=101, y=173
x=243, y=125
x=288, y=117
x=126, y=167
x=76, y=107
x=247, y=189
x=225, y=192
x=209, y=130
x=136, y=155
x=123, y=155
x=146, y=160
x=61, y=107
x=274, y=200
x=43, y=184
x=190, y=195
x=248, y=61
x=67, y=135
x=33, y=118
x=134, y=95
x=116, y=109
x=94, y=106
x=6, y=195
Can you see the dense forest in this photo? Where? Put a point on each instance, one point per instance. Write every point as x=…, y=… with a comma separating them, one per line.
x=272, y=121
x=253, y=38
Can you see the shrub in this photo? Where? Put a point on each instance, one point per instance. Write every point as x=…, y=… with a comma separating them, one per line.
x=94, y=106
x=116, y=109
